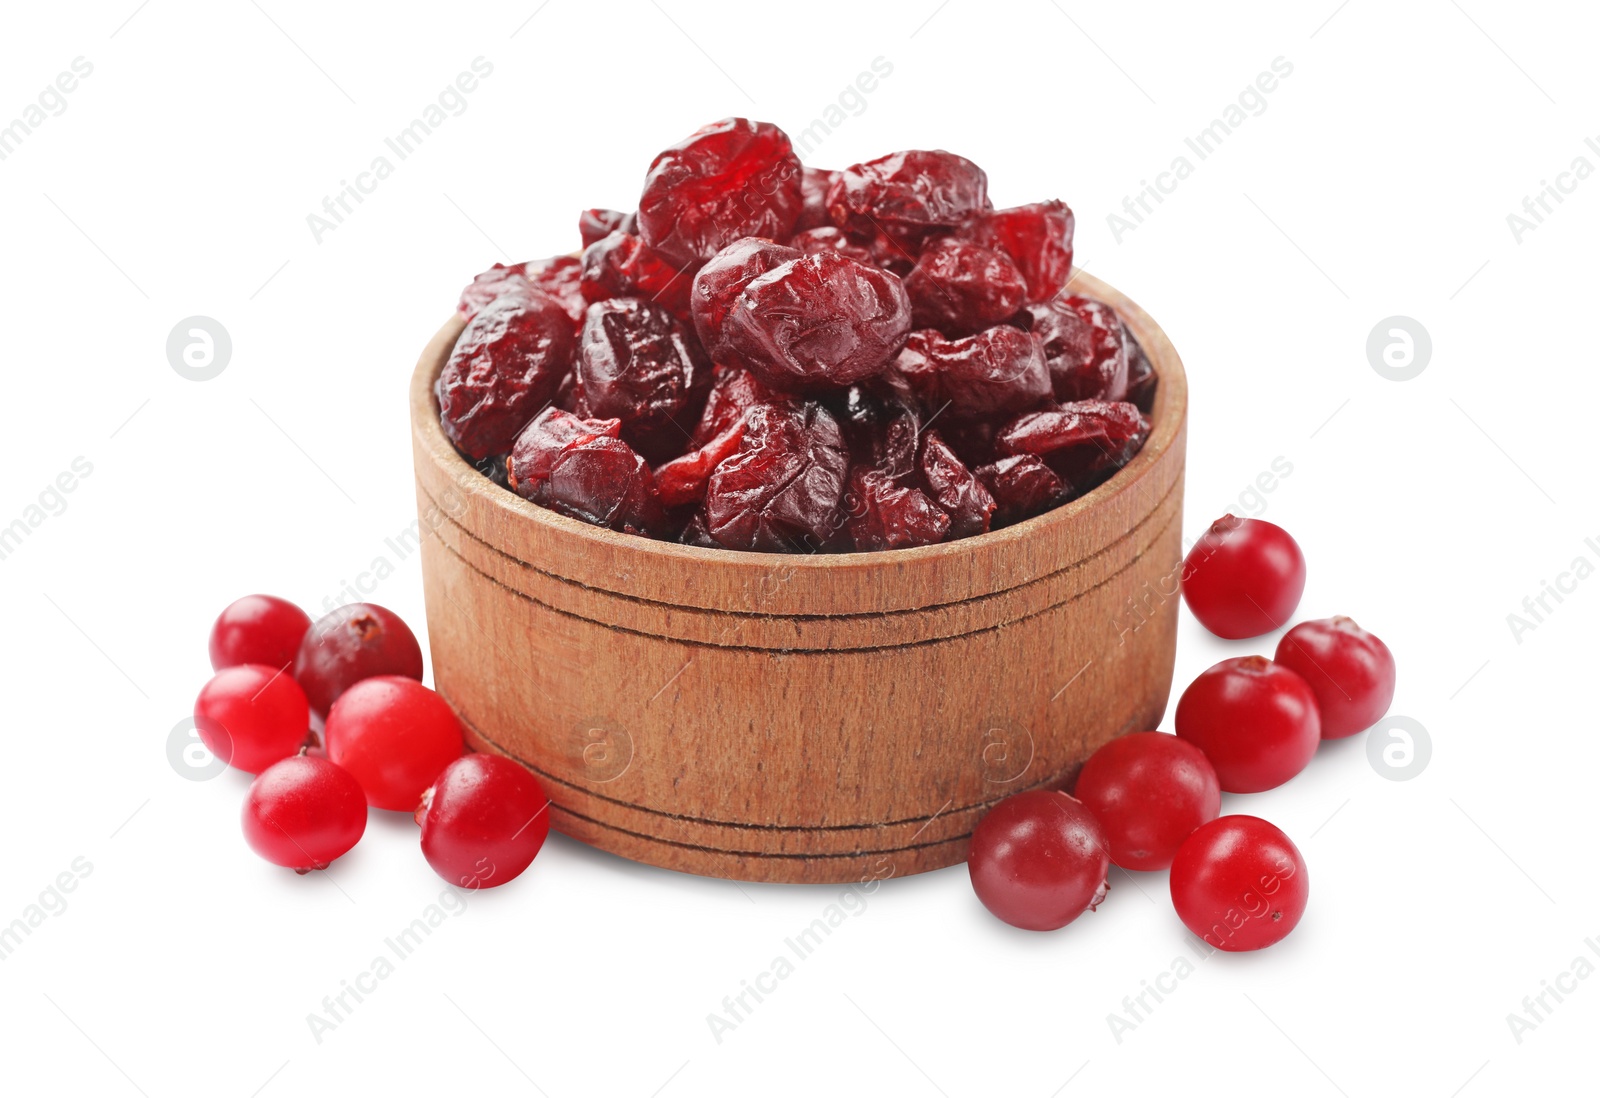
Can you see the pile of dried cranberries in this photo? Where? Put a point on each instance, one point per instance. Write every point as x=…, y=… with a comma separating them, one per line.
x=780, y=358
x=1150, y=801
x=387, y=742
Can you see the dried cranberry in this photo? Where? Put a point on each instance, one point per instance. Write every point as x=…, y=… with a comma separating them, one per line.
x=557, y=276
x=734, y=391
x=1037, y=237
x=781, y=492
x=814, y=186
x=1022, y=486
x=724, y=277
x=598, y=224
x=694, y=532
x=819, y=320
x=637, y=364
x=884, y=515
x=908, y=192
x=683, y=479
x=506, y=366
x=881, y=423
x=1082, y=441
x=622, y=265
x=1141, y=377
x=1000, y=370
x=496, y=281
x=955, y=488
x=1085, y=345
x=830, y=238
x=731, y=179
x=542, y=440
x=601, y=480
x=960, y=288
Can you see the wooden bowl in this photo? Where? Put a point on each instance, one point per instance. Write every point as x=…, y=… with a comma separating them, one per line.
x=800, y=718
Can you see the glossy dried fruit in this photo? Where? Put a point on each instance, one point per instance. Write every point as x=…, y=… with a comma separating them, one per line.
x=604, y=482
x=782, y=491
x=1037, y=237
x=814, y=186
x=961, y=288
x=885, y=515
x=1022, y=486
x=1085, y=345
x=819, y=320
x=622, y=265
x=734, y=391
x=597, y=224
x=908, y=193
x=955, y=488
x=1081, y=441
x=830, y=238
x=506, y=366
x=720, y=282
x=542, y=441
x=1141, y=378
x=731, y=179
x=637, y=364
x=557, y=276
x=683, y=479
x=999, y=371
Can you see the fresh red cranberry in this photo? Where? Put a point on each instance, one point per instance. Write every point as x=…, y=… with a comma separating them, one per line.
x=1086, y=346
x=302, y=812
x=622, y=265
x=251, y=715
x=817, y=321
x=731, y=179
x=1022, y=486
x=483, y=821
x=1038, y=860
x=598, y=224
x=1254, y=719
x=637, y=364
x=885, y=515
x=352, y=643
x=781, y=492
x=955, y=488
x=1349, y=670
x=394, y=735
x=960, y=288
x=257, y=629
x=720, y=282
x=506, y=366
x=908, y=193
x=604, y=482
x=1037, y=237
x=1239, y=883
x=542, y=441
x=999, y=371
x=1149, y=791
x=1244, y=577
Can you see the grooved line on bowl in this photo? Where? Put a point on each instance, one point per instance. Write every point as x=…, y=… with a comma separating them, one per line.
x=749, y=615
x=735, y=825
x=785, y=617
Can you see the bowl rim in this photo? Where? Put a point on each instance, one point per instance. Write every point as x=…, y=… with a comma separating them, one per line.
x=1168, y=416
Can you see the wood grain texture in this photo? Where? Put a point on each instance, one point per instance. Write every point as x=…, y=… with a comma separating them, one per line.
x=801, y=718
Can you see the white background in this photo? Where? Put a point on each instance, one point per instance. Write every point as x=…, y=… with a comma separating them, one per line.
x=1377, y=182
